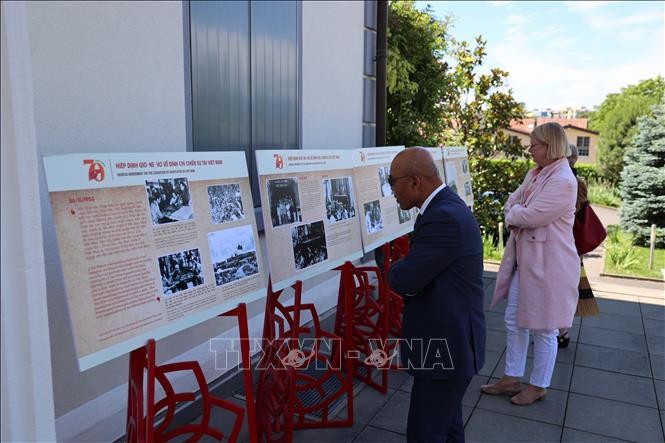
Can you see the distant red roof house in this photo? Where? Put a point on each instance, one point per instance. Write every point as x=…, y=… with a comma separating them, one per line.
x=527, y=124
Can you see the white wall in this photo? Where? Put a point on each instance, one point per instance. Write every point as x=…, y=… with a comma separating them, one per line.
x=27, y=403
x=108, y=77
x=332, y=74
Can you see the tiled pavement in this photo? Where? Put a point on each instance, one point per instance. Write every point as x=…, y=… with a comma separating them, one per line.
x=608, y=385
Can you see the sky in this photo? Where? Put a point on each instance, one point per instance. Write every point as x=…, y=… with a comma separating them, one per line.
x=563, y=54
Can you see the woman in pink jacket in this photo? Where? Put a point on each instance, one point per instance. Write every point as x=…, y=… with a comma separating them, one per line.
x=537, y=274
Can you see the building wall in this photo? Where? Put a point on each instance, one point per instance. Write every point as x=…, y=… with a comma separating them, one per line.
x=572, y=135
x=112, y=77
x=332, y=74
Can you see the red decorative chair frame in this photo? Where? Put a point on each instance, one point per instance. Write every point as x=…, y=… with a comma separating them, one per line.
x=141, y=414
x=392, y=252
x=279, y=408
x=369, y=314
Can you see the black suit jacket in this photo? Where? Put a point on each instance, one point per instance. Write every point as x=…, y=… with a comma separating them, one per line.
x=443, y=272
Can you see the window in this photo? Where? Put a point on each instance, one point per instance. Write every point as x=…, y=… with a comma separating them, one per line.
x=513, y=139
x=583, y=146
x=245, y=76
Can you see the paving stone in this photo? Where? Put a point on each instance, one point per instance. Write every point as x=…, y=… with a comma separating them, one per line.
x=373, y=435
x=654, y=312
x=495, y=341
x=366, y=404
x=660, y=393
x=550, y=410
x=486, y=426
x=491, y=359
x=625, y=362
x=654, y=327
x=618, y=307
x=560, y=376
x=575, y=436
x=494, y=321
x=656, y=344
x=397, y=378
x=615, y=322
x=407, y=385
x=329, y=435
x=613, y=339
x=612, y=418
x=658, y=366
x=472, y=393
x=614, y=386
x=393, y=415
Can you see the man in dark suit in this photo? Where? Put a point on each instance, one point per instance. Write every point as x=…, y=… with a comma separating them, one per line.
x=441, y=280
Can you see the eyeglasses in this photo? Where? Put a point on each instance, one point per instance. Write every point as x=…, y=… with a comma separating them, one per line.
x=392, y=180
x=533, y=145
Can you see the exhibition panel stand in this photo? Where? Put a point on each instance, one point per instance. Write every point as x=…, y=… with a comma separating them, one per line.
x=152, y=421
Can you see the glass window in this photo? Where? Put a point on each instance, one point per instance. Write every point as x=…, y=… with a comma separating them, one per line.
x=583, y=146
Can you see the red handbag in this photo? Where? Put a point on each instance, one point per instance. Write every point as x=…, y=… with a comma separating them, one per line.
x=588, y=230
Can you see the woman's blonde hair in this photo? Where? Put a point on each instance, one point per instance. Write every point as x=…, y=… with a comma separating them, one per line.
x=553, y=135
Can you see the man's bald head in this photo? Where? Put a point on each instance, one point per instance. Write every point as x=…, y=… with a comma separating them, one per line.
x=419, y=176
x=417, y=161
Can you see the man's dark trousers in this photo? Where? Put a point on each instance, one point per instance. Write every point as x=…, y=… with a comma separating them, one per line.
x=435, y=411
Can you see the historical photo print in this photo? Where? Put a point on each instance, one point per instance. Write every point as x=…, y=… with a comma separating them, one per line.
x=467, y=188
x=386, y=190
x=169, y=200
x=403, y=216
x=225, y=203
x=309, y=244
x=233, y=254
x=340, y=199
x=180, y=271
x=284, y=201
x=451, y=178
x=373, y=217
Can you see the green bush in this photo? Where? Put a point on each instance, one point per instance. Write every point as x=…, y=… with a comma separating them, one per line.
x=603, y=193
x=619, y=250
x=490, y=248
x=492, y=188
x=588, y=172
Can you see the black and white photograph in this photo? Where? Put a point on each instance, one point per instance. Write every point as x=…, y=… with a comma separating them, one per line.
x=225, y=203
x=386, y=190
x=169, y=200
x=465, y=166
x=451, y=178
x=467, y=188
x=403, y=216
x=373, y=217
x=340, y=200
x=233, y=254
x=284, y=201
x=309, y=244
x=180, y=271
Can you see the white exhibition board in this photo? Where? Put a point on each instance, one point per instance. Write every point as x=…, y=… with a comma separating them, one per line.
x=151, y=244
x=310, y=212
x=381, y=219
x=458, y=174
x=437, y=155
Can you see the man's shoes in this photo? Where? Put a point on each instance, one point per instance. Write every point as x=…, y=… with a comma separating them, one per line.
x=506, y=386
x=529, y=395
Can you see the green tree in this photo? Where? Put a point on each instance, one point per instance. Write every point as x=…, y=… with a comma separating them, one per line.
x=616, y=120
x=438, y=96
x=643, y=185
x=418, y=81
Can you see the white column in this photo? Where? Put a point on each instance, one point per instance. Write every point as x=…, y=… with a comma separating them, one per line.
x=27, y=390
